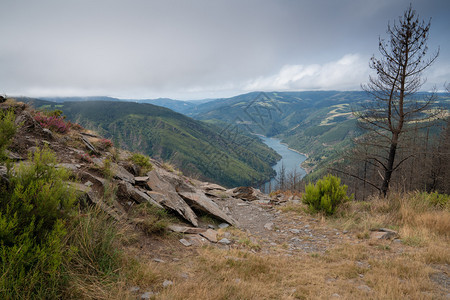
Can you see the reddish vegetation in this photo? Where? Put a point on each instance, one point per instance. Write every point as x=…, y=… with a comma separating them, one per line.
x=54, y=123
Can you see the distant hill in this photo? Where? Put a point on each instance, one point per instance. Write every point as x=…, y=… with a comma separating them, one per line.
x=68, y=99
x=198, y=149
x=318, y=123
x=175, y=105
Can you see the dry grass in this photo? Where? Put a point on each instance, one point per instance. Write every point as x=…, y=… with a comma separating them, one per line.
x=417, y=218
x=364, y=269
x=357, y=269
x=348, y=272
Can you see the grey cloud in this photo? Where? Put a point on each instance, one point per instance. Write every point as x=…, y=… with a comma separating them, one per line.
x=190, y=48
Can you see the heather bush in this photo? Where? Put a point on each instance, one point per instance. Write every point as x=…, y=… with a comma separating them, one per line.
x=86, y=157
x=33, y=210
x=104, y=144
x=326, y=195
x=7, y=130
x=52, y=121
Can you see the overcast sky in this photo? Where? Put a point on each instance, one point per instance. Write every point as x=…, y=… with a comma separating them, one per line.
x=192, y=49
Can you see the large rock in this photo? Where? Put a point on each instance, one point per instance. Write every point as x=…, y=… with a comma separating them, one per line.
x=86, y=176
x=384, y=234
x=171, y=200
x=210, y=235
x=127, y=191
x=245, y=193
x=27, y=121
x=207, y=186
x=179, y=183
x=121, y=173
x=200, y=201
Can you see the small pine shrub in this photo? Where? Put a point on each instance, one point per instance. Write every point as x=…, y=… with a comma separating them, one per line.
x=142, y=161
x=326, y=195
x=7, y=130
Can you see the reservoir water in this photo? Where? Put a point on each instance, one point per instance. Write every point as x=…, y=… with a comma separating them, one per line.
x=290, y=159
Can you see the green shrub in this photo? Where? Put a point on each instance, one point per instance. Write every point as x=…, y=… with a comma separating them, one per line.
x=7, y=130
x=326, y=195
x=33, y=208
x=437, y=200
x=142, y=161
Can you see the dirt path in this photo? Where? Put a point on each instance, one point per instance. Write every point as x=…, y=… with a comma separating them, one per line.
x=275, y=230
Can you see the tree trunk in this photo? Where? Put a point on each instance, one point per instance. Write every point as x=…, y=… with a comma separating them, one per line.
x=390, y=165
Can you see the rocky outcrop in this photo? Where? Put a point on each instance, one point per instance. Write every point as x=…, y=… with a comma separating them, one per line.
x=171, y=198
x=109, y=181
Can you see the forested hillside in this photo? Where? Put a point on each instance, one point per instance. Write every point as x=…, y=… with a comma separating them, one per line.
x=197, y=149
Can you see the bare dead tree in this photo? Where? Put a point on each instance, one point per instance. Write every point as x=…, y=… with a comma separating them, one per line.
x=394, y=108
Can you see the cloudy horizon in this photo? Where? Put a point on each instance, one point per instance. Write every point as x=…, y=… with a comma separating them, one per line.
x=201, y=49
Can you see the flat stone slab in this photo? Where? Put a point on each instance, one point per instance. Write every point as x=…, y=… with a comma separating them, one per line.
x=223, y=225
x=210, y=235
x=141, y=179
x=200, y=201
x=185, y=229
x=224, y=241
x=185, y=242
x=197, y=240
x=72, y=167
